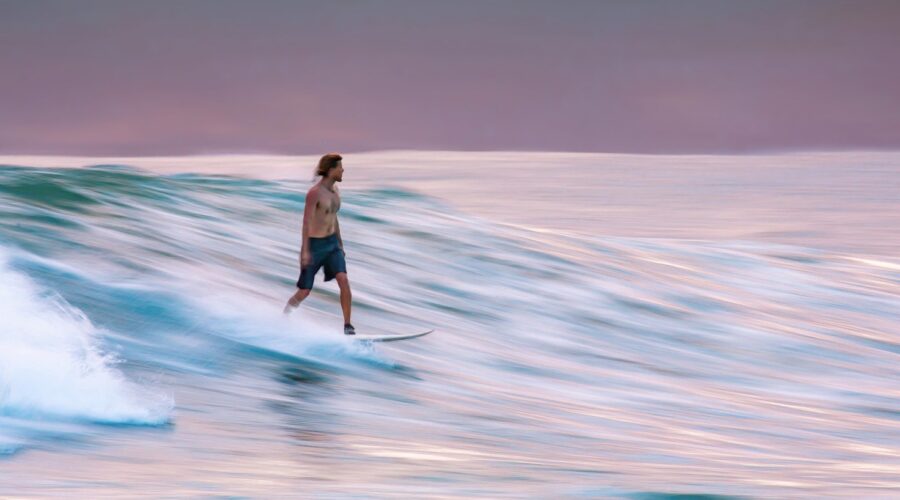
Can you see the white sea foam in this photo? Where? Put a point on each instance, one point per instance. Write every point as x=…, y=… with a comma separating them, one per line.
x=51, y=366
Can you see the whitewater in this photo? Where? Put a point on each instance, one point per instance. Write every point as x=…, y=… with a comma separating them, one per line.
x=607, y=326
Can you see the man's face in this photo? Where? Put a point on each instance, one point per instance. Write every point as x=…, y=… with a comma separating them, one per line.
x=337, y=173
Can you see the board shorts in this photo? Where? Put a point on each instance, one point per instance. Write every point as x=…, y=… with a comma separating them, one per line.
x=323, y=252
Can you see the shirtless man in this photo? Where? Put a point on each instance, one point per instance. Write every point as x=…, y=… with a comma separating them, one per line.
x=322, y=245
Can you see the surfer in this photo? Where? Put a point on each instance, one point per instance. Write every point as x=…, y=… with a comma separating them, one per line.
x=322, y=245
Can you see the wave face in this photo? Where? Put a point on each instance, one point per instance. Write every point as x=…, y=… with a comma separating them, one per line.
x=53, y=369
x=562, y=364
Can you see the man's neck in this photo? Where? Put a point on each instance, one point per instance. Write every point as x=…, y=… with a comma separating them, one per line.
x=329, y=184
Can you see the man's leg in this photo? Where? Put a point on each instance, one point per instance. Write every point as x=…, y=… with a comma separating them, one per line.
x=304, y=285
x=346, y=296
x=296, y=299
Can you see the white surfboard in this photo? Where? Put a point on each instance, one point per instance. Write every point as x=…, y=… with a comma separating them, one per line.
x=386, y=338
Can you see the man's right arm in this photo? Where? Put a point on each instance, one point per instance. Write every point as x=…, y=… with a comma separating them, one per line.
x=308, y=209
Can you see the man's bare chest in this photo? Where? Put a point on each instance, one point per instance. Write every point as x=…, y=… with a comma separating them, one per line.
x=328, y=203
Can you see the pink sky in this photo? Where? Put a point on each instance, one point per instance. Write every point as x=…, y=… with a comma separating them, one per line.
x=669, y=76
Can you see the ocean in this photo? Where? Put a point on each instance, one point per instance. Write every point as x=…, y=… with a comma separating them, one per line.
x=606, y=326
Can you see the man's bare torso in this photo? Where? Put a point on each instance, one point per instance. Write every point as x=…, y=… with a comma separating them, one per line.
x=324, y=217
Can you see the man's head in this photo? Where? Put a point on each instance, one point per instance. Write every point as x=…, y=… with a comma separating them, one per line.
x=330, y=166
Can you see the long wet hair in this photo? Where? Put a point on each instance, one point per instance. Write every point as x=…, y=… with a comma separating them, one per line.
x=326, y=163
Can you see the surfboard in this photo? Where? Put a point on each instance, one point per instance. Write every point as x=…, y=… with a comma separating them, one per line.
x=386, y=338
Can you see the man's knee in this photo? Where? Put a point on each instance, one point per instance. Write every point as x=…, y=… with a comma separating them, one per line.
x=342, y=280
x=302, y=293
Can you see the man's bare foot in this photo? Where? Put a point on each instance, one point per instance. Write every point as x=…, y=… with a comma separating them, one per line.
x=291, y=305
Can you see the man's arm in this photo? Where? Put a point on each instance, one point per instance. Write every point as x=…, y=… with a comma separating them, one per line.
x=311, y=199
x=337, y=231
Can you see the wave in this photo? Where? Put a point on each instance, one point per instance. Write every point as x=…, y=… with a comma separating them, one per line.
x=190, y=270
x=52, y=366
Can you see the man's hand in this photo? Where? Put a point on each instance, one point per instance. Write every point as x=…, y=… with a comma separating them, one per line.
x=304, y=259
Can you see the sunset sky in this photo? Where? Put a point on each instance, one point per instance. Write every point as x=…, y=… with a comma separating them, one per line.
x=295, y=77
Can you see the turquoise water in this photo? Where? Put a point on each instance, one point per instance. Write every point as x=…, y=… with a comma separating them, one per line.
x=143, y=352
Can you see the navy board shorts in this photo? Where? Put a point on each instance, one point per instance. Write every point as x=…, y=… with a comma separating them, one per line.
x=323, y=252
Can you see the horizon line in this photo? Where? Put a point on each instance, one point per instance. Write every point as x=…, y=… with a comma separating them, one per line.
x=208, y=154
